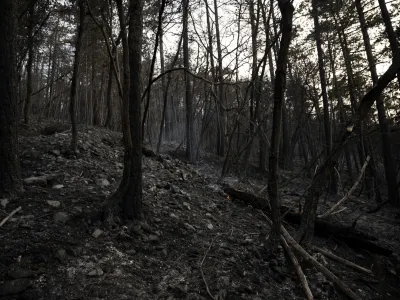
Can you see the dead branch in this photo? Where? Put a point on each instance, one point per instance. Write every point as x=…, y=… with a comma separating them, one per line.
x=328, y=274
x=201, y=268
x=299, y=271
x=10, y=215
x=343, y=261
x=347, y=196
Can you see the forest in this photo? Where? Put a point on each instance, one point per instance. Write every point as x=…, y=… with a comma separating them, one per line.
x=203, y=149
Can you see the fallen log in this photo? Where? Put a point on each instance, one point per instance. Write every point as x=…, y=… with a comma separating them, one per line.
x=347, y=234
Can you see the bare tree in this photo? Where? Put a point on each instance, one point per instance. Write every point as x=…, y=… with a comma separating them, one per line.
x=286, y=9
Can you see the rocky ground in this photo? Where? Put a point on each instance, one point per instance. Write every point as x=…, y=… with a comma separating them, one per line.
x=195, y=242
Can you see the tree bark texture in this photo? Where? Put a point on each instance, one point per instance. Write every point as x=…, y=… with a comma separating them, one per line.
x=190, y=151
x=29, y=64
x=133, y=198
x=9, y=163
x=75, y=75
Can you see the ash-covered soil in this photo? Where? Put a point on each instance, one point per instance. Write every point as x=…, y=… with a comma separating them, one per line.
x=195, y=243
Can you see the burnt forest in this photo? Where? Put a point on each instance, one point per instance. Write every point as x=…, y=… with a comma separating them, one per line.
x=199, y=149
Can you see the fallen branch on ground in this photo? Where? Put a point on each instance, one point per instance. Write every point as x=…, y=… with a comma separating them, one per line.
x=10, y=215
x=347, y=196
x=328, y=274
x=299, y=271
x=343, y=261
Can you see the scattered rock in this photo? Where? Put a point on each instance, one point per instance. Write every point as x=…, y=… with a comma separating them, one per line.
x=225, y=280
x=19, y=273
x=210, y=226
x=16, y=286
x=58, y=186
x=96, y=272
x=54, y=203
x=4, y=202
x=153, y=238
x=61, y=217
x=185, y=204
x=102, y=182
x=97, y=232
x=56, y=152
x=157, y=220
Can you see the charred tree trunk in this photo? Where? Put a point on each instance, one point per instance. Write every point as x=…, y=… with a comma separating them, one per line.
x=132, y=202
x=75, y=74
x=29, y=65
x=109, y=101
x=190, y=149
x=10, y=182
x=327, y=127
x=287, y=9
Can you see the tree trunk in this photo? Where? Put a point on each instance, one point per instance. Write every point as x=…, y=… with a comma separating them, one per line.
x=109, y=101
x=153, y=61
x=132, y=205
x=29, y=65
x=10, y=182
x=342, y=116
x=287, y=9
x=327, y=127
x=222, y=109
x=75, y=74
x=190, y=151
x=390, y=166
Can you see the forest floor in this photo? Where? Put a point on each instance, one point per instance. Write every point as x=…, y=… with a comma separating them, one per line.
x=195, y=243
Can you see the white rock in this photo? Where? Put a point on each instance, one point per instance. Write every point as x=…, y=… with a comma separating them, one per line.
x=102, y=182
x=97, y=232
x=96, y=272
x=4, y=202
x=210, y=226
x=54, y=203
x=58, y=186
